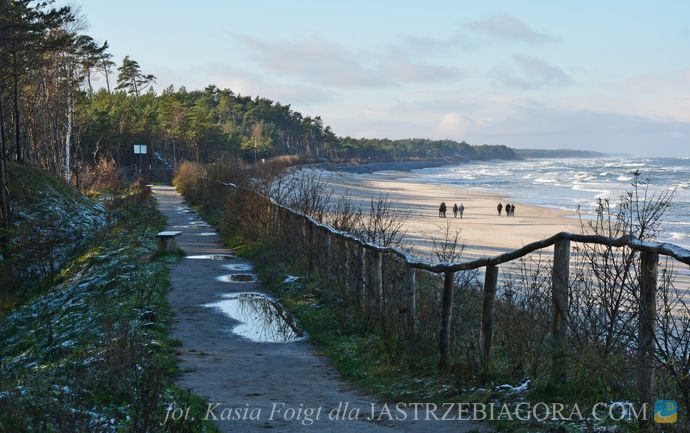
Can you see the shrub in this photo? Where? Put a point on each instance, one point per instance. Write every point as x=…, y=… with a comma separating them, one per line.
x=103, y=176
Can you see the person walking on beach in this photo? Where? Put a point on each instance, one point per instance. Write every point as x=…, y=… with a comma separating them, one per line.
x=507, y=210
x=442, y=210
x=461, y=209
x=512, y=210
x=499, y=208
x=455, y=210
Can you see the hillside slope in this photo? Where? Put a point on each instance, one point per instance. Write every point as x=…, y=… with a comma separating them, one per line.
x=50, y=222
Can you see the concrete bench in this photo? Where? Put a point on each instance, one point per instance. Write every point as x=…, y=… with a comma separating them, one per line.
x=168, y=240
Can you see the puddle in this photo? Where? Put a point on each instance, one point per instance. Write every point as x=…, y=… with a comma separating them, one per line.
x=237, y=278
x=207, y=234
x=211, y=257
x=263, y=319
x=239, y=267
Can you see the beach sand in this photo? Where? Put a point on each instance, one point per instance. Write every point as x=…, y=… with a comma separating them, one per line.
x=481, y=230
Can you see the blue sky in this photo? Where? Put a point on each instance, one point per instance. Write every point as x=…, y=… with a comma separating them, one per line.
x=611, y=76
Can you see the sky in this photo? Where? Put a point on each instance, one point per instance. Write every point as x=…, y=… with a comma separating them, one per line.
x=608, y=76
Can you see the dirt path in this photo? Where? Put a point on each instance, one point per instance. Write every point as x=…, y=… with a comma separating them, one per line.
x=238, y=373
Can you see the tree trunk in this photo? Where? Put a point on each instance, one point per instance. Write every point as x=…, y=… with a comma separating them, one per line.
x=107, y=78
x=68, y=135
x=17, y=115
x=4, y=180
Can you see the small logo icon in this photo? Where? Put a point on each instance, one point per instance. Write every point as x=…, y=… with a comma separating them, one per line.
x=665, y=412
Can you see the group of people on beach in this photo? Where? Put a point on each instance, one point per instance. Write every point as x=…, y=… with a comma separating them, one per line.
x=456, y=210
x=510, y=209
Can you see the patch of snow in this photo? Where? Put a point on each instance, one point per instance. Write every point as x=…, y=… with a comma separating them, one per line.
x=289, y=279
x=510, y=389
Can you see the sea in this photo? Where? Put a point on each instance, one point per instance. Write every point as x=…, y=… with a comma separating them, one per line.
x=574, y=184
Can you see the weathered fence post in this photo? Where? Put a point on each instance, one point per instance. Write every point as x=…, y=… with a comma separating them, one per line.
x=647, y=324
x=362, y=278
x=486, y=330
x=410, y=283
x=559, y=298
x=305, y=230
x=327, y=256
x=311, y=235
x=347, y=267
x=446, y=316
x=377, y=281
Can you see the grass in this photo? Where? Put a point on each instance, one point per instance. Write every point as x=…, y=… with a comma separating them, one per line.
x=92, y=353
x=374, y=365
x=51, y=222
x=394, y=373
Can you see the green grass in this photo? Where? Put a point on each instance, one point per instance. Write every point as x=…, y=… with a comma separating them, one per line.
x=92, y=352
x=50, y=222
x=386, y=369
x=380, y=367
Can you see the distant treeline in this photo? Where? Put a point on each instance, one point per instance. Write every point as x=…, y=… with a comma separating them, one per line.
x=384, y=149
x=557, y=153
x=203, y=125
x=52, y=117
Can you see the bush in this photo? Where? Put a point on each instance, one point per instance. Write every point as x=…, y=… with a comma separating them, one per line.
x=103, y=176
x=189, y=180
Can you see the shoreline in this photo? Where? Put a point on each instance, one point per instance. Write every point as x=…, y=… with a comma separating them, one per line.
x=481, y=230
x=374, y=167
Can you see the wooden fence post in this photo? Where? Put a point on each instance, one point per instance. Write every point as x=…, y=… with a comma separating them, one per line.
x=411, y=287
x=347, y=267
x=446, y=316
x=304, y=229
x=647, y=324
x=559, y=299
x=486, y=330
x=327, y=256
x=377, y=281
x=311, y=235
x=362, y=282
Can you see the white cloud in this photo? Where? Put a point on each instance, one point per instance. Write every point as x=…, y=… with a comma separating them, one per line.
x=507, y=28
x=454, y=125
x=539, y=126
x=525, y=72
x=327, y=63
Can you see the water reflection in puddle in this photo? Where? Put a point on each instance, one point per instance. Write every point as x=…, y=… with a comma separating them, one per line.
x=239, y=267
x=263, y=319
x=211, y=257
x=237, y=278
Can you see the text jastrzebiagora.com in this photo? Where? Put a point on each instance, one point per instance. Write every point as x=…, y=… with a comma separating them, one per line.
x=345, y=411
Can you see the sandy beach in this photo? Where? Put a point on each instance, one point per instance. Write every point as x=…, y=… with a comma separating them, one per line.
x=482, y=231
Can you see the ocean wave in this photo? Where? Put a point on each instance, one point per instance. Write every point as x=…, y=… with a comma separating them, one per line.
x=677, y=235
x=677, y=223
x=589, y=188
x=624, y=178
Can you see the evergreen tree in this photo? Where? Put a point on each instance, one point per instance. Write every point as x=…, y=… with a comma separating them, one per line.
x=131, y=80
